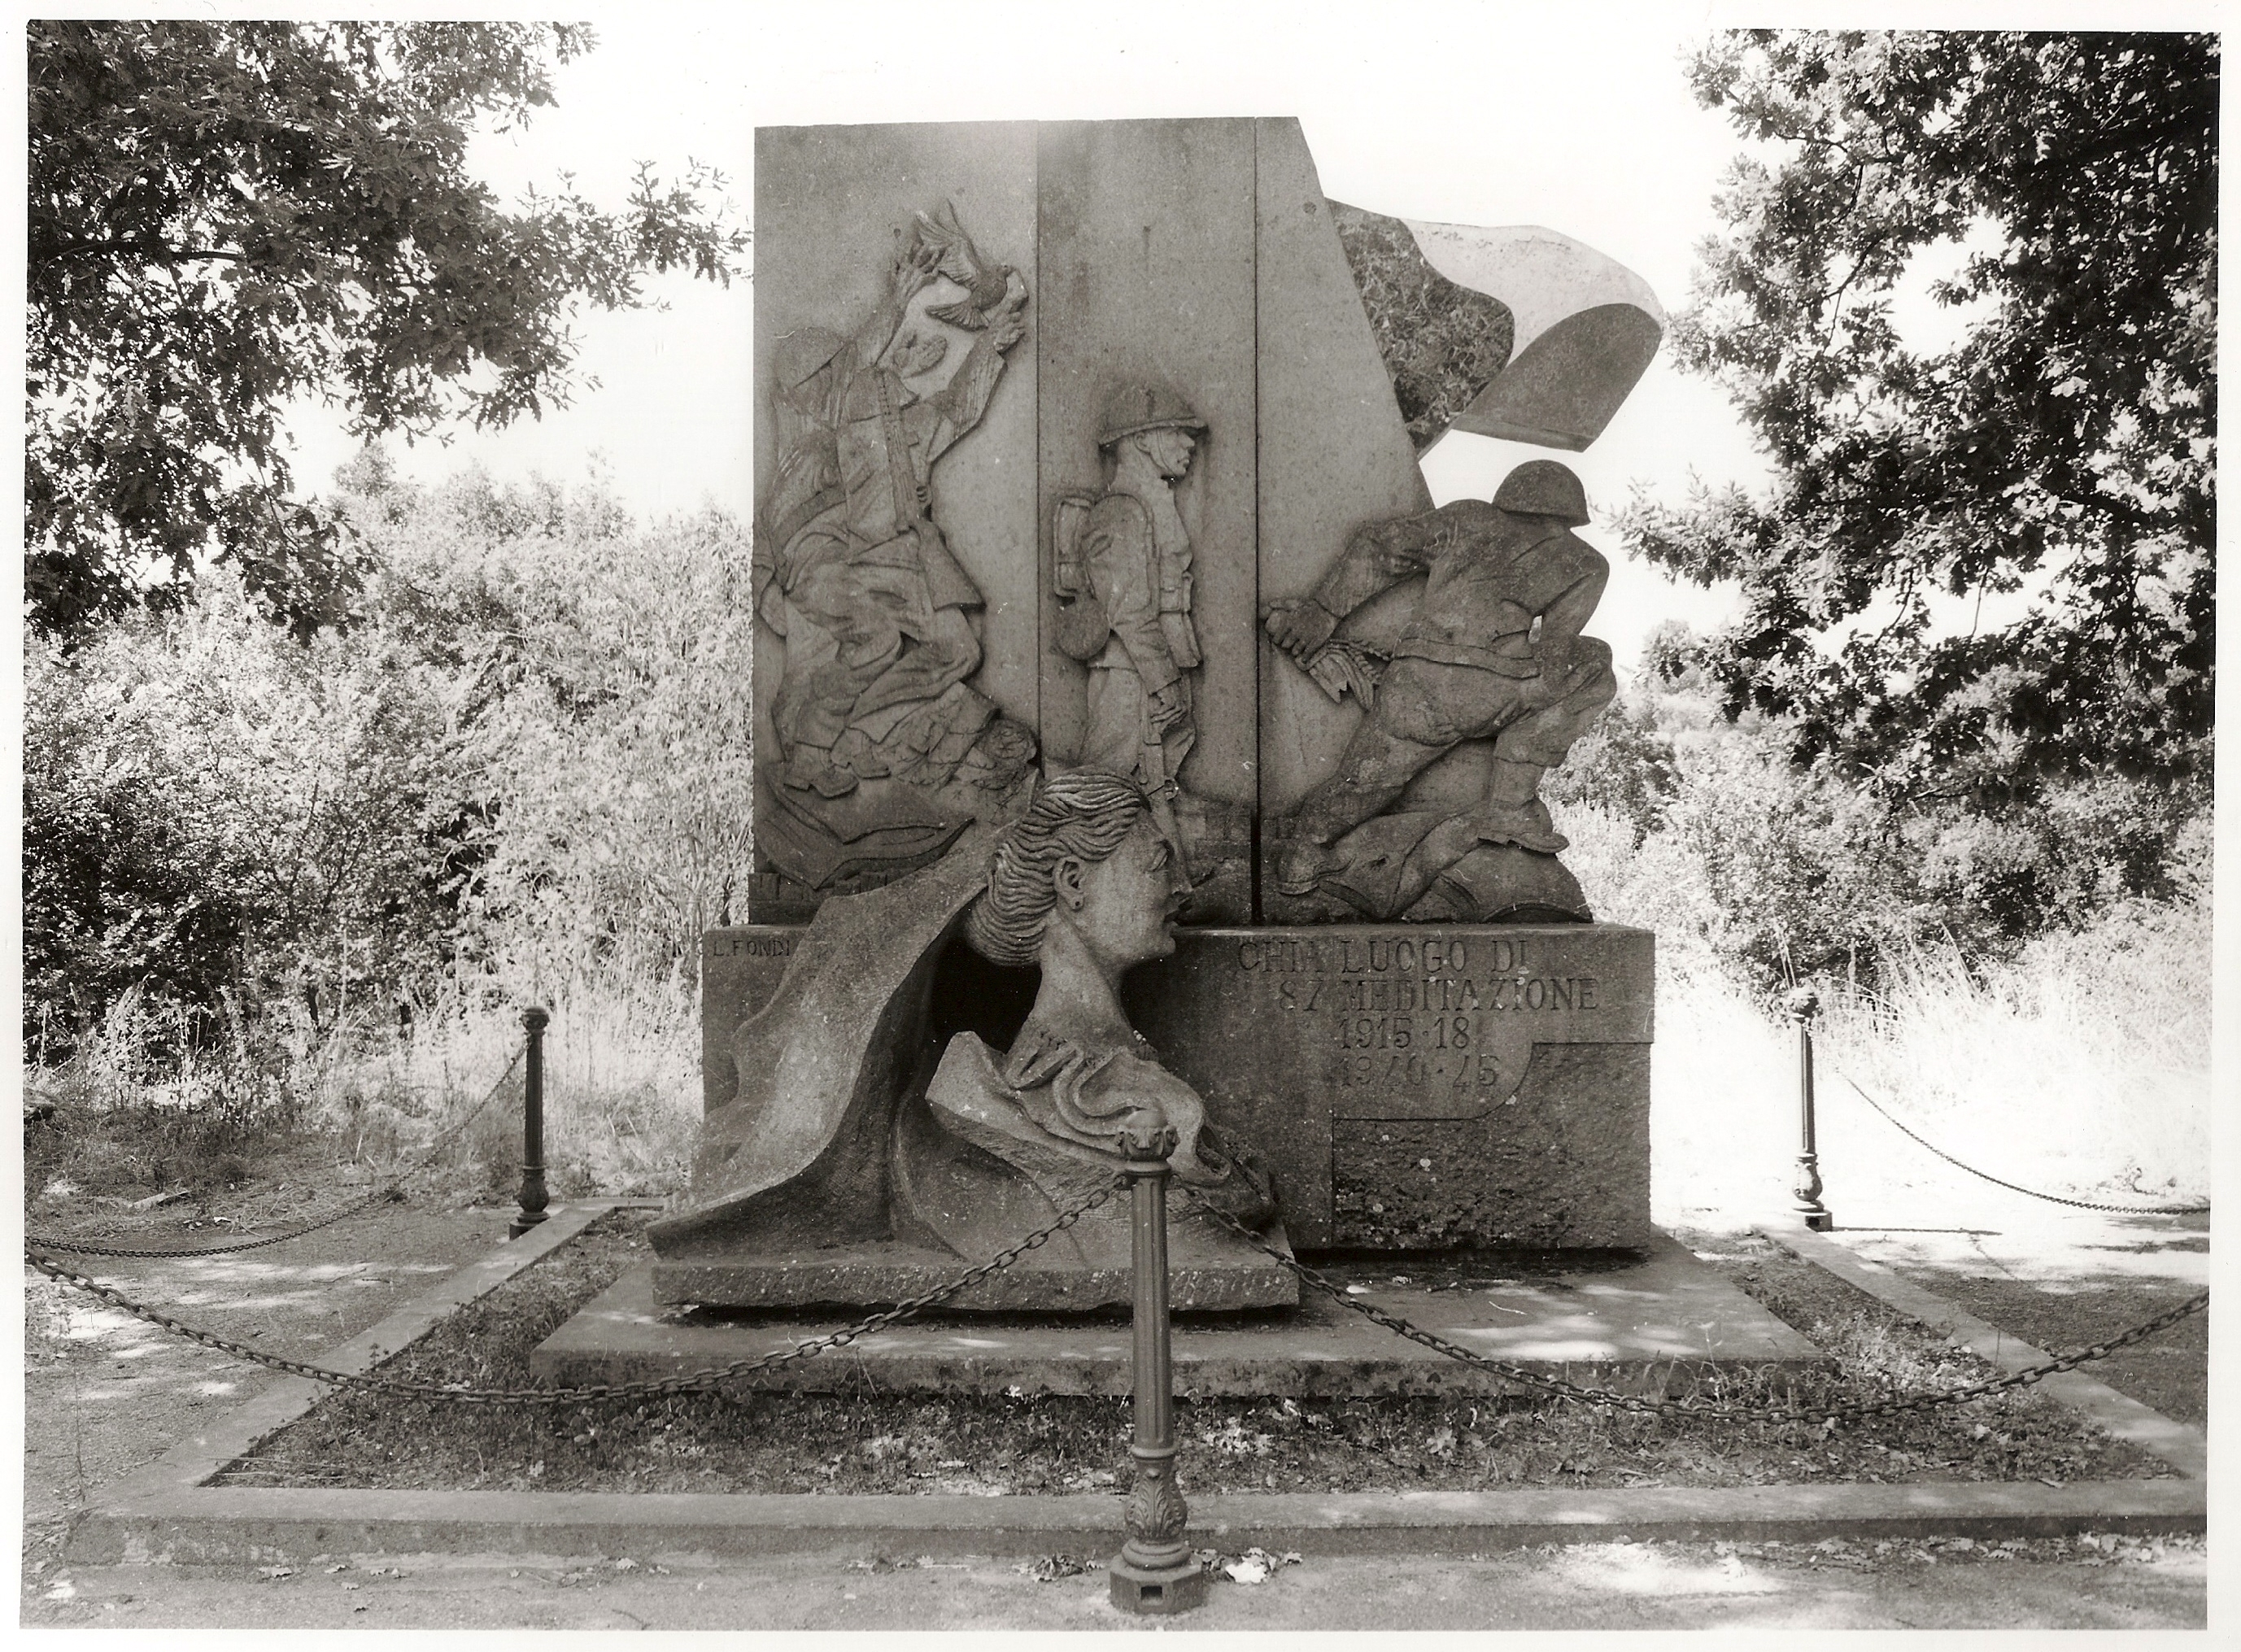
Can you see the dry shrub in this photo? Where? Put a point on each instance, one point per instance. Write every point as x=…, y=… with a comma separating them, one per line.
x=2083, y=1066
x=622, y=1089
x=2080, y=1067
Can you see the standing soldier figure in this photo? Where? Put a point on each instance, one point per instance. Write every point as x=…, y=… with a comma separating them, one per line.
x=1127, y=566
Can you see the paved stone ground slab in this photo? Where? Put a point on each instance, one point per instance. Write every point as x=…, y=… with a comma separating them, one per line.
x=196, y=1525
x=235, y=1433
x=2185, y=1446
x=1582, y=1586
x=2058, y=1278
x=105, y=1394
x=1659, y=1324
x=167, y=1515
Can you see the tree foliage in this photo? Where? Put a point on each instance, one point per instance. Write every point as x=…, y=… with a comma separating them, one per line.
x=223, y=216
x=606, y=666
x=529, y=757
x=2061, y=447
x=226, y=822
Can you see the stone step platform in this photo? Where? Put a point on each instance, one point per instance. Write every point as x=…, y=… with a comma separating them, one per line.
x=1203, y=1274
x=1657, y=1321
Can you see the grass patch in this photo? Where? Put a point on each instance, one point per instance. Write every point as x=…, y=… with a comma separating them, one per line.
x=2169, y=1371
x=755, y=1441
x=114, y=1125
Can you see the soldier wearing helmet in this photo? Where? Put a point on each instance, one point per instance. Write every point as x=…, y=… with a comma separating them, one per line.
x=1493, y=652
x=811, y=371
x=1135, y=557
x=859, y=578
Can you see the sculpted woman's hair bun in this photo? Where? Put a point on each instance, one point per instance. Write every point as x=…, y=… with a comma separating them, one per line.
x=1085, y=814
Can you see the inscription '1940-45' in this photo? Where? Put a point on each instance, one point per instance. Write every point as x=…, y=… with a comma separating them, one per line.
x=1431, y=1027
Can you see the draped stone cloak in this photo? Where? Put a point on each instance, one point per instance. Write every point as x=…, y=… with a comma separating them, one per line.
x=800, y=1158
x=831, y=1141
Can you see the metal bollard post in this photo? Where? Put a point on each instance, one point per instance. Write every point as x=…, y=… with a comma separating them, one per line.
x=1153, y=1572
x=534, y=1196
x=1802, y=1004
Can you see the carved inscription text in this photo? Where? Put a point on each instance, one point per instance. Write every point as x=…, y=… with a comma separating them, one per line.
x=1431, y=1027
x=721, y=945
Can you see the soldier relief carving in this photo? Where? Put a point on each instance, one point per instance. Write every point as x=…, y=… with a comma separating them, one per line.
x=886, y=750
x=1434, y=811
x=1121, y=571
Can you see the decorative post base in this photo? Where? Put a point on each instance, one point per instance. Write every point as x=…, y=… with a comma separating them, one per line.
x=1153, y=1573
x=1806, y=1194
x=1150, y=1590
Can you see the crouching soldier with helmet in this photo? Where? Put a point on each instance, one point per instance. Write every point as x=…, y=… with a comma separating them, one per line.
x=1493, y=652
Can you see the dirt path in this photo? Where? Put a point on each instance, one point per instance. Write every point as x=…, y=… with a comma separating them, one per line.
x=104, y=1394
x=1610, y=1586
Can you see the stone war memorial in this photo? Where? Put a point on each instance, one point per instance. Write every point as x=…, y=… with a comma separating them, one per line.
x=1178, y=864
x=1139, y=750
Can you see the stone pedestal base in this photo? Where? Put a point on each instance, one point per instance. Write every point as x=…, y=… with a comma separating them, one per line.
x=1413, y=1087
x=1423, y=1086
x=1663, y=1322
x=1166, y=1590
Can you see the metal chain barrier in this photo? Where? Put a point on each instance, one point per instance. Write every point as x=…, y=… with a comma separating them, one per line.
x=696, y=1381
x=379, y=1195
x=2052, y=1199
x=714, y=1376
x=1851, y=1410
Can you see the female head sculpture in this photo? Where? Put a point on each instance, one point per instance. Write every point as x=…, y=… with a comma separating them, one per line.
x=1083, y=884
x=1053, y=859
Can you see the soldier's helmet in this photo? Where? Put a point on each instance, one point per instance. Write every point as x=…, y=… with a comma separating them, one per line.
x=1543, y=487
x=801, y=352
x=1144, y=407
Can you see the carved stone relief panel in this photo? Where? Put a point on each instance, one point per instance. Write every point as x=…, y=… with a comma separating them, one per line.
x=1146, y=261
x=895, y=664
x=1066, y=435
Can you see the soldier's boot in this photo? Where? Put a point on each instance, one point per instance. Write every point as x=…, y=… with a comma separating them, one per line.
x=811, y=768
x=1512, y=811
x=854, y=753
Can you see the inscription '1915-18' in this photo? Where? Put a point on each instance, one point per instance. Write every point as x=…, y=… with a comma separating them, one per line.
x=1448, y=1019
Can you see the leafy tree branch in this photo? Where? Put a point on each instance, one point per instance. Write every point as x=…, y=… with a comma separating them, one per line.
x=2064, y=444
x=222, y=218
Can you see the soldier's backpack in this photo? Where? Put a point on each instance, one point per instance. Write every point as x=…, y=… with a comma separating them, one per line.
x=1084, y=627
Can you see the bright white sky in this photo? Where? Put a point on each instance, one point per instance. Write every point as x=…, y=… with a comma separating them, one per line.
x=1462, y=114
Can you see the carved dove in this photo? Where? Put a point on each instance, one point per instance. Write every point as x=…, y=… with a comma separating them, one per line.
x=988, y=285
